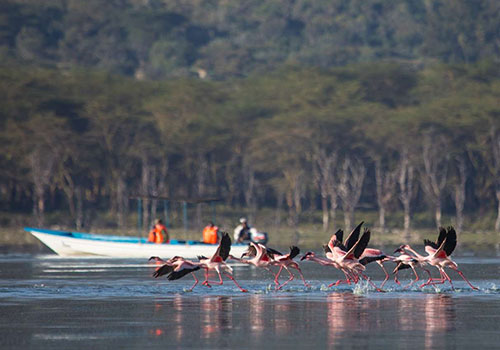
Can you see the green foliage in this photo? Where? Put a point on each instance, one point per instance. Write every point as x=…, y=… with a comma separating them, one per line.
x=159, y=39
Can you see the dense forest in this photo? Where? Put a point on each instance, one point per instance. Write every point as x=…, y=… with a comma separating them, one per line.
x=329, y=106
x=156, y=39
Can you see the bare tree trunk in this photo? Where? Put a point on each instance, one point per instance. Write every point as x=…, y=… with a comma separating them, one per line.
x=495, y=143
x=326, y=216
x=351, y=184
x=497, y=222
x=232, y=173
x=145, y=187
x=279, y=208
x=324, y=178
x=42, y=164
x=201, y=184
x=249, y=184
x=406, y=182
x=460, y=191
x=385, y=186
x=122, y=200
x=334, y=204
x=79, y=207
x=435, y=157
x=294, y=194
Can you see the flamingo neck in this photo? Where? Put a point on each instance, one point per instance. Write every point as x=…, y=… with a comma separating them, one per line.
x=419, y=257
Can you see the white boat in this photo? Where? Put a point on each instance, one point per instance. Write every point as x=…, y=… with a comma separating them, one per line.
x=68, y=243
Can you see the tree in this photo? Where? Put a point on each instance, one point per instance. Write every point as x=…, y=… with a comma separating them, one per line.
x=352, y=175
x=435, y=156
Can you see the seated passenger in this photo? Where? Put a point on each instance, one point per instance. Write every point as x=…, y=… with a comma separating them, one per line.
x=158, y=233
x=211, y=233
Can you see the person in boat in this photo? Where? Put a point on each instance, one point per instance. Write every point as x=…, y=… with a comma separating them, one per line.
x=242, y=232
x=210, y=233
x=158, y=233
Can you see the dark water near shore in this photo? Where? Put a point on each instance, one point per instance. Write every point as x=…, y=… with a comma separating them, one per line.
x=53, y=303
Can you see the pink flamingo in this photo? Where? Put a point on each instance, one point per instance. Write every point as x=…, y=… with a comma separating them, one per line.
x=218, y=264
x=439, y=256
x=405, y=261
x=285, y=261
x=311, y=256
x=258, y=257
x=348, y=258
x=369, y=254
x=175, y=268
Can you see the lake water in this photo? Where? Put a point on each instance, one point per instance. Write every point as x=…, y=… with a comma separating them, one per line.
x=54, y=303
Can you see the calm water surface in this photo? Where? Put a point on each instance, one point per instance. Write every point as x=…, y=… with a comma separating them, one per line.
x=53, y=303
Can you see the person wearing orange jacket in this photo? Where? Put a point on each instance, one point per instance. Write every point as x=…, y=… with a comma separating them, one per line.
x=210, y=233
x=158, y=233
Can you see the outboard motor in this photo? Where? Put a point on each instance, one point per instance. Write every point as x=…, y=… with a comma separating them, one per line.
x=258, y=237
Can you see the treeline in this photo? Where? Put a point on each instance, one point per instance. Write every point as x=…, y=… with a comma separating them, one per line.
x=383, y=137
x=155, y=39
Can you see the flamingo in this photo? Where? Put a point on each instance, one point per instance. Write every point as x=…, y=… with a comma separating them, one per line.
x=404, y=261
x=439, y=256
x=218, y=264
x=348, y=258
x=258, y=257
x=285, y=261
x=369, y=254
x=175, y=268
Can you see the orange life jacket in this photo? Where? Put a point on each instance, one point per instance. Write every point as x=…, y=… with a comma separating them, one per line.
x=210, y=234
x=156, y=234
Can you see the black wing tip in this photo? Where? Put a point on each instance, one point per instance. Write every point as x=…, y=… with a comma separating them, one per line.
x=294, y=251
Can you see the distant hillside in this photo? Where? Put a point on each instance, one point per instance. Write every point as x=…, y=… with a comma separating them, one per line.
x=218, y=39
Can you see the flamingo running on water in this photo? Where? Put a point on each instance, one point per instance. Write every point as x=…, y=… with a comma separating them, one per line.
x=404, y=261
x=258, y=257
x=285, y=261
x=175, y=268
x=439, y=256
x=217, y=263
x=349, y=258
x=369, y=254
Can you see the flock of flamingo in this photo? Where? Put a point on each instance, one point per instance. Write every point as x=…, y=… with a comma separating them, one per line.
x=349, y=256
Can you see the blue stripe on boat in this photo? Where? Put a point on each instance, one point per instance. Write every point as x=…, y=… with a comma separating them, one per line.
x=108, y=238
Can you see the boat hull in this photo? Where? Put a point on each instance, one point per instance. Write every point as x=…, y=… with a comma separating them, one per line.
x=84, y=244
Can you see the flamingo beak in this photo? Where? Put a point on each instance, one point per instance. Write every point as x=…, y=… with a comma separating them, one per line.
x=305, y=256
x=243, y=255
x=399, y=249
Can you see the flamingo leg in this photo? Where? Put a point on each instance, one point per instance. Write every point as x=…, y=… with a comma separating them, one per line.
x=205, y=282
x=369, y=281
x=385, y=271
x=465, y=279
x=214, y=282
x=435, y=280
x=270, y=271
x=237, y=285
x=415, y=280
x=346, y=281
x=195, y=282
x=289, y=279
x=277, y=276
x=302, y=276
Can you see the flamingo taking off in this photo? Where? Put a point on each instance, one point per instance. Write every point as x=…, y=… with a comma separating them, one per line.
x=259, y=257
x=285, y=261
x=369, y=254
x=218, y=263
x=175, y=268
x=439, y=256
x=349, y=258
